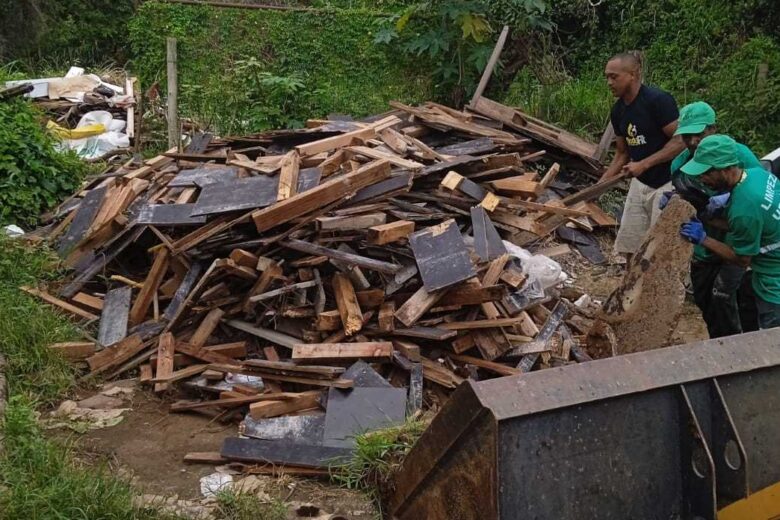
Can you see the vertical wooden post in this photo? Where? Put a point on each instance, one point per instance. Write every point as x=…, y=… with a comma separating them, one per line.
x=174, y=135
x=491, y=64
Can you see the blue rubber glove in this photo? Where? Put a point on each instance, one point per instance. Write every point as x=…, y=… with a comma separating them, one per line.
x=716, y=203
x=693, y=231
x=665, y=198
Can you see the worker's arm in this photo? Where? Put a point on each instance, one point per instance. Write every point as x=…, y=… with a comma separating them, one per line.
x=618, y=161
x=726, y=252
x=671, y=149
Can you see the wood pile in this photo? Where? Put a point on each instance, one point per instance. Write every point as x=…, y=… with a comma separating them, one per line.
x=355, y=266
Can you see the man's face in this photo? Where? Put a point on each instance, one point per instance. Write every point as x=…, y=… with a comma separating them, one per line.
x=717, y=180
x=619, y=77
x=692, y=140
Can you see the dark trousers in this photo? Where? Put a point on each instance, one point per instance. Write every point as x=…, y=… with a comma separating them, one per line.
x=768, y=314
x=726, y=305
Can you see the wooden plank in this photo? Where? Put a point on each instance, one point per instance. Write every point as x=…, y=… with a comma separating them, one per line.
x=204, y=457
x=441, y=256
x=113, y=319
x=184, y=373
x=270, y=273
x=391, y=232
x=540, y=343
x=413, y=308
x=431, y=333
x=145, y=374
x=82, y=220
x=346, y=300
x=265, y=366
x=370, y=298
x=491, y=64
x=487, y=242
x=386, y=317
x=288, y=179
x=374, y=351
x=328, y=321
x=491, y=366
x=74, y=350
x=474, y=295
x=231, y=402
x=513, y=277
x=599, y=216
x=545, y=208
x=517, y=186
x=206, y=327
x=267, y=334
x=283, y=290
x=373, y=153
x=284, y=453
x=152, y=282
x=244, y=258
x=438, y=374
x=550, y=176
x=352, y=259
x=337, y=141
x=165, y=352
x=350, y=222
x=53, y=300
x=414, y=400
x=480, y=324
x=181, y=296
x=116, y=354
x=169, y=215
x=326, y=193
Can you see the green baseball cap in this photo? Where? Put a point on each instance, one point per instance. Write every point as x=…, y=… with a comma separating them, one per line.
x=694, y=118
x=714, y=151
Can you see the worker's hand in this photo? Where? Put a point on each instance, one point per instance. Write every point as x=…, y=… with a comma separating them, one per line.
x=665, y=198
x=693, y=231
x=715, y=204
x=635, y=169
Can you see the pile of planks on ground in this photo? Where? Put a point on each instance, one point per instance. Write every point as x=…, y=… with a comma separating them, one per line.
x=358, y=267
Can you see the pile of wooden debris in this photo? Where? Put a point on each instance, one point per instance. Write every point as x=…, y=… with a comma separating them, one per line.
x=250, y=272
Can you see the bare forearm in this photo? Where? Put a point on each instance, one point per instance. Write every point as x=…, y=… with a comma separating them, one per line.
x=618, y=161
x=670, y=150
x=725, y=252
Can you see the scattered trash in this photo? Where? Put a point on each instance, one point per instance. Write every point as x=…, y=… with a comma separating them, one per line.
x=213, y=484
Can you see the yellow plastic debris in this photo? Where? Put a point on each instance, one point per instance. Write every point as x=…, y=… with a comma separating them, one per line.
x=76, y=133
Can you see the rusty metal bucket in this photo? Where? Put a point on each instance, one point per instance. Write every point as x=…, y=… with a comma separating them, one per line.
x=674, y=433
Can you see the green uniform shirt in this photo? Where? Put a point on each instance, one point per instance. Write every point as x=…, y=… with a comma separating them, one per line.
x=747, y=159
x=754, y=223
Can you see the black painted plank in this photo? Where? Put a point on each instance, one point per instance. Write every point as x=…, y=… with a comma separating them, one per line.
x=441, y=256
x=302, y=429
x=203, y=176
x=487, y=242
x=283, y=452
x=397, y=183
x=169, y=215
x=189, y=281
x=432, y=333
x=364, y=376
x=199, y=142
x=85, y=214
x=447, y=165
x=472, y=189
x=360, y=410
x=414, y=401
x=113, y=318
x=472, y=147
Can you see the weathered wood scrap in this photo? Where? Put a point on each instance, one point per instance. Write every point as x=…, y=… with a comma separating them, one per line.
x=487, y=242
x=113, y=319
x=441, y=256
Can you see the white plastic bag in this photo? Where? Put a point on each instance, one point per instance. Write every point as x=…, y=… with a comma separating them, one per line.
x=95, y=146
x=538, y=268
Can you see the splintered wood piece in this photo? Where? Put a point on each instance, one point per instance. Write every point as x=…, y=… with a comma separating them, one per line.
x=303, y=401
x=203, y=354
x=470, y=295
x=598, y=215
x=326, y=193
x=267, y=334
x=370, y=298
x=336, y=254
x=487, y=242
x=152, y=282
x=350, y=222
x=206, y=327
x=373, y=153
x=231, y=402
x=244, y=258
x=420, y=303
x=491, y=366
x=165, y=352
x=88, y=300
x=490, y=202
x=463, y=343
x=328, y=321
x=116, y=354
x=491, y=343
x=374, y=351
x=433, y=371
x=541, y=342
x=271, y=273
x=513, y=277
x=288, y=178
x=145, y=374
x=337, y=141
x=441, y=256
x=494, y=270
x=346, y=300
x=113, y=319
x=387, y=316
x=204, y=457
x=517, y=186
x=391, y=232
x=480, y=324
x=53, y=300
x=184, y=373
x=74, y=350
x=549, y=176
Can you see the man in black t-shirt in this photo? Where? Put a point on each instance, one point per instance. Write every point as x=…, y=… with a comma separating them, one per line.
x=644, y=119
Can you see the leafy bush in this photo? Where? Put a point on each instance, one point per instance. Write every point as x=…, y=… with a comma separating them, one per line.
x=33, y=175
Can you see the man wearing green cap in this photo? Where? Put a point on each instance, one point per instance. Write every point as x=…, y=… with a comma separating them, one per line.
x=715, y=284
x=753, y=238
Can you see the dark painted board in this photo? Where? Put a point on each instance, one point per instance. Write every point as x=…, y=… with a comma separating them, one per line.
x=113, y=318
x=527, y=296
x=472, y=147
x=554, y=321
x=441, y=256
x=392, y=185
x=414, y=401
x=248, y=193
x=282, y=452
x=203, y=176
x=200, y=141
x=85, y=214
x=472, y=189
x=168, y=215
x=446, y=166
x=360, y=410
x=189, y=281
x=487, y=242
x=147, y=329
x=432, y=333
x=364, y=376
x=302, y=429
x=585, y=243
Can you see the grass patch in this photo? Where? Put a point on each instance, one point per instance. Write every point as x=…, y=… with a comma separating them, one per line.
x=40, y=478
x=377, y=459
x=245, y=506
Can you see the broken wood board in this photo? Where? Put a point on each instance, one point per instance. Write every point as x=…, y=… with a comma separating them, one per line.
x=441, y=256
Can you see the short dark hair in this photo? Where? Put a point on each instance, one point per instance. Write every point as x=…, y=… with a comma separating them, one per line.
x=632, y=58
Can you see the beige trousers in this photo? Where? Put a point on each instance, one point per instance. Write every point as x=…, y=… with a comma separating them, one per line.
x=639, y=214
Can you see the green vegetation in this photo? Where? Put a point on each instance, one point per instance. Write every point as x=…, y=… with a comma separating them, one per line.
x=245, y=506
x=33, y=175
x=249, y=70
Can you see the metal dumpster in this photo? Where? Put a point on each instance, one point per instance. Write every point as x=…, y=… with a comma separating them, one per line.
x=672, y=433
